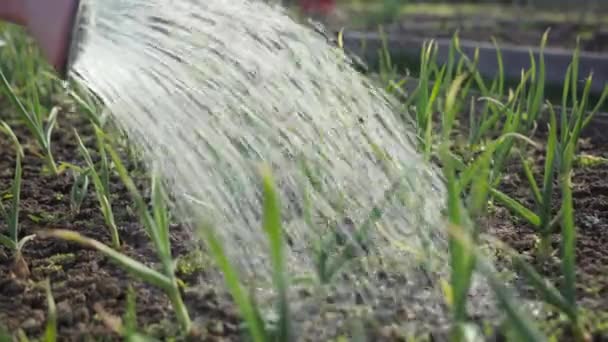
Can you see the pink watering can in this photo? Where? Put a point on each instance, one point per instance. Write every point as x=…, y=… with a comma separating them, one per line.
x=49, y=22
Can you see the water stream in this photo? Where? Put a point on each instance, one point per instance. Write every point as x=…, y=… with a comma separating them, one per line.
x=209, y=89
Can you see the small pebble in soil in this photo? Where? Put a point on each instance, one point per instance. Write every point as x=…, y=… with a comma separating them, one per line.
x=64, y=313
x=34, y=322
x=108, y=289
x=81, y=314
x=12, y=287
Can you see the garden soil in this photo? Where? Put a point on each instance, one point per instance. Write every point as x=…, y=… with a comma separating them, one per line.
x=83, y=281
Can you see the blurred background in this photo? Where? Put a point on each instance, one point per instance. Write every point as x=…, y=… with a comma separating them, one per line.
x=519, y=22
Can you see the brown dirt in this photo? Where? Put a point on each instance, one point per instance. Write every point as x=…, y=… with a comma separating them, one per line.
x=82, y=278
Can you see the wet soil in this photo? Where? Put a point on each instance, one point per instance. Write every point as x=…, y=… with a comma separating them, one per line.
x=83, y=280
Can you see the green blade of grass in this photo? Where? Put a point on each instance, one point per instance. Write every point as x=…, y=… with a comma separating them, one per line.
x=7, y=242
x=576, y=125
x=501, y=68
x=161, y=216
x=13, y=221
x=531, y=180
x=564, y=113
x=257, y=330
x=50, y=333
x=575, y=69
x=524, y=326
x=568, y=229
x=104, y=173
x=274, y=231
x=516, y=207
x=461, y=261
x=549, y=293
x=134, y=267
x=597, y=107
x=142, y=208
x=451, y=108
x=545, y=214
x=25, y=240
x=101, y=193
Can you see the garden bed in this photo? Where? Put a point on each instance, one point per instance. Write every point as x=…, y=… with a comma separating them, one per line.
x=84, y=281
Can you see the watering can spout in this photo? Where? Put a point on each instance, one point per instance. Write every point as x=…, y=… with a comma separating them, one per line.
x=50, y=23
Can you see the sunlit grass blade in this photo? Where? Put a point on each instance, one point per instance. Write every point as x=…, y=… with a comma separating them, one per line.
x=79, y=190
x=516, y=207
x=101, y=190
x=564, y=110
x=451, y=108
x=157, y=226
x=142, y=208
x=550, y=161
x=134, y=267
x=50, y=333
x=274, y=232
x=13, y=218
x=231, y=278
x=532, y=181
x=461, y=261
x=597, y=107
x=568, y=228
x=500, y=70
x=520, y=320
x=161, y=217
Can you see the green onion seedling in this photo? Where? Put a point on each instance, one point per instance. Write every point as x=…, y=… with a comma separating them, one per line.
x=257, y=328
x=34, y=121
x=11, y=216
x=156, y=224
x=101, y=183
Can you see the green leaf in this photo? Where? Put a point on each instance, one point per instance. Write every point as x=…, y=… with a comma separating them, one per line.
x=256, y=329
x=50, y=333
x=25, y=240
x=134, y=267
x=274, y=232
x=161, y=216
x=521, y=321
x=549, y=293
x=568, y=228
x=545, y=214
x=7, y=242
x=531, y=180
x=516, y=207
x=100, y=193
x=13, y=221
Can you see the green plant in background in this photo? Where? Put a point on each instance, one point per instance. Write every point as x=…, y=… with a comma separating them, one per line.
x=101, y=181
x=561, y=146
x=25, y=68
x=34, y=119
x=79, y=189
x=50, y=333
x=156, y=224
x=12, y=241
x=542, y=220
